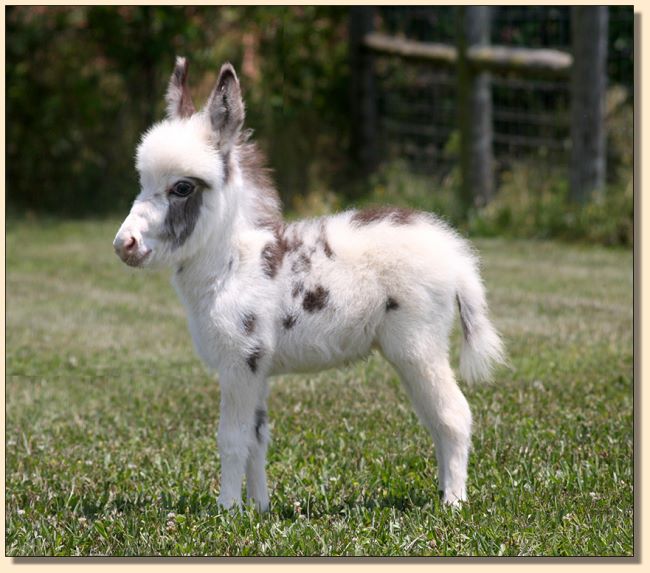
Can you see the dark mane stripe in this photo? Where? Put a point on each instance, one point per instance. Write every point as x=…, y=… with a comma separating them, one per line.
x=392, y=214
x=257, y=175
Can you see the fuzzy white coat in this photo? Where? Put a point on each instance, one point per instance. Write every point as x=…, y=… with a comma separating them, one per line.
x=265, y=297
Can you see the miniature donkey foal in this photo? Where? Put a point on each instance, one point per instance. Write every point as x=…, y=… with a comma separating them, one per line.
x=265, y=297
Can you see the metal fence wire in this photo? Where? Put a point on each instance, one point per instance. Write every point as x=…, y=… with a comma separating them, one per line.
x=416, y=102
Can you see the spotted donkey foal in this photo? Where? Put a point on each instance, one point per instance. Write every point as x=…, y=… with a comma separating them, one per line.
x=265, y=297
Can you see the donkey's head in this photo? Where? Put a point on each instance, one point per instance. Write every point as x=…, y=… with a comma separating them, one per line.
x=183, y=163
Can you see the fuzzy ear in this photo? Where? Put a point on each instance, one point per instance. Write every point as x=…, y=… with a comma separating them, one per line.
x=226, y=108
x=179, y=101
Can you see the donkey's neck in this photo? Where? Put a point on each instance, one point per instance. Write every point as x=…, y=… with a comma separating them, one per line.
x=206, y=270
x=231, y=242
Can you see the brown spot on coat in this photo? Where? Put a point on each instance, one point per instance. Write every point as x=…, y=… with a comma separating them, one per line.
x=253, y=358
x=248, y=322
x=297, y=289
x=322, y=239
x=294, y=241
x=301, y=264
x=465, y=319
x=397, y=215
x=315, y=299
x=329, y=253
x=260, y=420
x=289, y=322
x=273, y=253
x=391, y=304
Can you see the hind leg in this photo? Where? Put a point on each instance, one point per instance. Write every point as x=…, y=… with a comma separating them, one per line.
x=439, y=404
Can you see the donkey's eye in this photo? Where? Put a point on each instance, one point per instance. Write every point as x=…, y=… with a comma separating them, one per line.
x=182, y=188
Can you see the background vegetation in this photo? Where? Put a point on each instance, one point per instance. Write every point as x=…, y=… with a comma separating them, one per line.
x=84, y=82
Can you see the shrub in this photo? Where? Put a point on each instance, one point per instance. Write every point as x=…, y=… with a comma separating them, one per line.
x=533, y=203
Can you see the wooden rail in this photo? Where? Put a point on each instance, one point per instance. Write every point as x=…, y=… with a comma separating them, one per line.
x=428, y=51
x=488, y=58
x=521, y=61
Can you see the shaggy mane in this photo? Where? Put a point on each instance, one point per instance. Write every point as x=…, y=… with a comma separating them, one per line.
x=257, y=176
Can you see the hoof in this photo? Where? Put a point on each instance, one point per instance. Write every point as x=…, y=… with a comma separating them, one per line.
x=452, y=499
x=230, y=504
x=261, y=506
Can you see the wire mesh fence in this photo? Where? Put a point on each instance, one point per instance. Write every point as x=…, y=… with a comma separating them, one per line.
x=417, y=102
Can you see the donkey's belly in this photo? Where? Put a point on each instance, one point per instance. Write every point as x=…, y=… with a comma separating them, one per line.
x=308, y=352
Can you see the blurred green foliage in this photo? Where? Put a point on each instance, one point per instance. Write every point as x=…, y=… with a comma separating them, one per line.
x=534, y=203
x=84, y=82
x=533, y=198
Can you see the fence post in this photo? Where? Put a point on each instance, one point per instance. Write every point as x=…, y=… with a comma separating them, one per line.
x=363, y=102
x=588, y=85
x=475, y=111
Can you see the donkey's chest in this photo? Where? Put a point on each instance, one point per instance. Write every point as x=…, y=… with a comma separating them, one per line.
x=223, y=323
x=210, y=339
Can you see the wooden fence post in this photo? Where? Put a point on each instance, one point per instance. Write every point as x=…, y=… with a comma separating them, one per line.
x=475, y=111
x=363, y=102
x=588, y=86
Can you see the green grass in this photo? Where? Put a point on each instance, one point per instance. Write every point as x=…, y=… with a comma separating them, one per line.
x=111, y=419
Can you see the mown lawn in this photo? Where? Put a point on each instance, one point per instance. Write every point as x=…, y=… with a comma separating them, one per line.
x=111, y=419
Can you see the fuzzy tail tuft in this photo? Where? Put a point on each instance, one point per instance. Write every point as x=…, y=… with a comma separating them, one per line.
x=482, y=347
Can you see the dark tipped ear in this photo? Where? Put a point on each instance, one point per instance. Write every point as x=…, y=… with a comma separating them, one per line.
x=226, y=108
x=179, y=101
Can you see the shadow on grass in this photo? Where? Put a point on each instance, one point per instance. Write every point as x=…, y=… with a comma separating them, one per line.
x=403, y=502
x=204, y=503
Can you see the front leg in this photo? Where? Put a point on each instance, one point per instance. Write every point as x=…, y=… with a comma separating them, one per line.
x=236, y=434
x=256, y=488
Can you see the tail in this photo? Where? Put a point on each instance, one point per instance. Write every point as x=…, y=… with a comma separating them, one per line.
x=482, y=348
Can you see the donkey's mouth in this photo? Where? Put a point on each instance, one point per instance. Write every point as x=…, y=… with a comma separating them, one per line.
x=136, y=260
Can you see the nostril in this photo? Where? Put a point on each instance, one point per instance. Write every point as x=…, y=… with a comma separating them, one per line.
x=130, y=244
